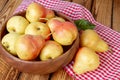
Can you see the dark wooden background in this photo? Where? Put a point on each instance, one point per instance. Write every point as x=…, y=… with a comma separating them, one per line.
x=107, y=12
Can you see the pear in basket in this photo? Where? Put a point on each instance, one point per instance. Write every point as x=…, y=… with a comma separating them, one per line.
x=63, y=32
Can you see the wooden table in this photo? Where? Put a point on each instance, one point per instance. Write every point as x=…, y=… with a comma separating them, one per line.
x=104, y=11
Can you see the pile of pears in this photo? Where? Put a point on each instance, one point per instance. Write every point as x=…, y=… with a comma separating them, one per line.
x=38, y=35
x=86, y=58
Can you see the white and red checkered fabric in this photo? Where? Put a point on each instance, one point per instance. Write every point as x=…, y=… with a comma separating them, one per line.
x=109, y=68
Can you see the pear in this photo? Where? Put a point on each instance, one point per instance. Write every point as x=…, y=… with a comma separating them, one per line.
x=63, y=32
x=38, y=28
x=51, y=50
x=34, y=12
x=89, y=38
x=28, y=46
x=8, y=41
x=85, y=60
x=17, y=24
x=49, y=13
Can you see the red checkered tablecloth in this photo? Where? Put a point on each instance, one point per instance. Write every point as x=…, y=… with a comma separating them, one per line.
x=109, y=68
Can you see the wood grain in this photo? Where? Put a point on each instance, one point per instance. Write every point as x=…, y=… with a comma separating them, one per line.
x=116, y=15
x=2, y=4
x=7, y=72
x=86, y=3
x=8, y=10
x=61, y=75
x=102, y=11
x=26, y=76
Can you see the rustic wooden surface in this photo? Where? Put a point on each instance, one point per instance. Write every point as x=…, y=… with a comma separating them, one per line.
x=104, y=11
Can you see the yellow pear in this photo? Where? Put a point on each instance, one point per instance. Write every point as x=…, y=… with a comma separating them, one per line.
x=85, y=60
x=63, y=32
x=9, y=40
x=38, y=28
x=17, y=24
x=89, y=38
x=51, y=50
x=29, y=46
x=35, y=11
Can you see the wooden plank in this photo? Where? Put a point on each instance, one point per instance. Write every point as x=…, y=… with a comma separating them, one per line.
x=116, y=15
x=2, y=4
x=102, y=11
x=28, y=76
x=7, y=72
x=85, y=3
x=61, y=75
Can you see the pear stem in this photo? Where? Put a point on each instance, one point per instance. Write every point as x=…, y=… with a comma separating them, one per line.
x=48, y=36
x=44, y=19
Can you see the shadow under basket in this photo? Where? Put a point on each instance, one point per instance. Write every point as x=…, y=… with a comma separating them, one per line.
x=40, y=67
